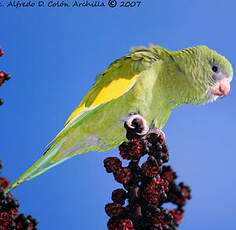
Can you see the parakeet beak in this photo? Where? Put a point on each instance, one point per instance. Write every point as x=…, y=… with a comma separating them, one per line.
x=222, y=88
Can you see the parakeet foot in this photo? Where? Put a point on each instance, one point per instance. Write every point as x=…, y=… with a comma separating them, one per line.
x=136, y=125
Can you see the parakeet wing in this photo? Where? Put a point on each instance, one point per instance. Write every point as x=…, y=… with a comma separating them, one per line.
x=114, y=82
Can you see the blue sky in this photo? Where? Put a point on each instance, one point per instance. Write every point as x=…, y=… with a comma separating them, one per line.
x=54, y=54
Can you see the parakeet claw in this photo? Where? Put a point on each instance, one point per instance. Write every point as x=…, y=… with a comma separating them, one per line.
x=136, y=123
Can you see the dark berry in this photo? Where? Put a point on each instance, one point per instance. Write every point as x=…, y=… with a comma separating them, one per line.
x=112, y=164
x=122, y=175
x=131, y=150
x=120, y=224
x=1, y=51
x=119, y=196
x=152, y=192
x=149, y=170
x=113, y=209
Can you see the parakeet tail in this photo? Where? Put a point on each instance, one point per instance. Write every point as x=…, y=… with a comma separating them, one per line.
x=42, y=165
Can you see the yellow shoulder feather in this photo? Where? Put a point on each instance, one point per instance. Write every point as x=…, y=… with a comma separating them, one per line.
x=113, y=90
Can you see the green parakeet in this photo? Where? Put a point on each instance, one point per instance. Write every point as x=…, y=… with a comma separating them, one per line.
x=148, y=81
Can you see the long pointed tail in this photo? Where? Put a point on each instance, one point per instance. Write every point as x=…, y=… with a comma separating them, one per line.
x=42, y=165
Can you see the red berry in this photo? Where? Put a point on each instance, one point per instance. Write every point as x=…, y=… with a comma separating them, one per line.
x=9, y=218
x=187, y=196
x=13, y=212
x=1, y=51
x=177, y=215
x=182, y=195
x=132, y=150
x=154, y=190
x=160, y=219
x=122, y=175
x=120, y=224
x=2, y=79
x=149, y=170
x=112, y=164
x=168, y=174
x=119, y=196
x=4, y=182
x=5, y=219
x=126, y=224
x=113, y=209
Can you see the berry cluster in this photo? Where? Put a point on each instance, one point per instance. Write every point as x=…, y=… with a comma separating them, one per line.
x=146, y=187
x=3, y=76
x=9, y=218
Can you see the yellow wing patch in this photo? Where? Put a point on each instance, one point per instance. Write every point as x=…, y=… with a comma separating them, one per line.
x=78, y=110
x=113, y=90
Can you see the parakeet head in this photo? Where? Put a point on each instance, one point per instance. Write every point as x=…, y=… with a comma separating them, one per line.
x=218, y=73
x=204, y=75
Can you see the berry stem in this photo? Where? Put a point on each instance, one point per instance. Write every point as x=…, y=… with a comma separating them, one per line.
x=136, y=207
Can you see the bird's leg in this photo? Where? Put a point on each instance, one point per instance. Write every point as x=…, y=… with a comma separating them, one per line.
x=136, y=124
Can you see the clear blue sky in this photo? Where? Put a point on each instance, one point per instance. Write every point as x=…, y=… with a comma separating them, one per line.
x=54, y=55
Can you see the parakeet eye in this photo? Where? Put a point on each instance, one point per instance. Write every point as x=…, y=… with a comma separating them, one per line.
x=215, y=68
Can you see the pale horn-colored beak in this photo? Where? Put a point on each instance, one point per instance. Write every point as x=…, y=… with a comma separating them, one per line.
x=222, y=88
